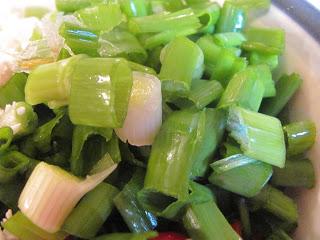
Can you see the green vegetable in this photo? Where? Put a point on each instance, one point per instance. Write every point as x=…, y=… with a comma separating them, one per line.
x=244, y=217
x=21, y=227
x=300, y=137
x=171, y=161
x=232, y=18
x=10, y=192
x=102, y=17
x=240, y=174
x=51, y=82
x=20, y=117
x=134, y=8
x=279, y=235
x=88, y=216
x=264, y=40
x=34, y=11
x=251, y=130
x=271, y=60
x=6, y=136
x=285, y=88
x=277, y=203
x=13, y=91
x=229, y=39
x=182, y=61
x=205, y=221
x=119, y=43
x=103, y=100
x=164, y=21
x=72, y=5
x=136, y=217
x=297, y=173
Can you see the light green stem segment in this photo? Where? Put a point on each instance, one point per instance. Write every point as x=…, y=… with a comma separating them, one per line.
x=204, y=221
x=102, y=17
x=265, y=40
x=277, y=203
x=240, y=174
x=88, y=216
x=260, y=136
x=286, y=87
x=300, y=137
x=164, y=21
x=128, y=236
x=171, y=160
x=50, y=82
x=100, y=92
x=21, y=227
x=182, y=60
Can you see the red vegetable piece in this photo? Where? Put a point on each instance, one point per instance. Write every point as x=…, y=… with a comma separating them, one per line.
x=169, y=236
x=236, y=225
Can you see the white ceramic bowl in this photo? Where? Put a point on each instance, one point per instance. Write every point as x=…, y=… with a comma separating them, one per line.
x=301, y=21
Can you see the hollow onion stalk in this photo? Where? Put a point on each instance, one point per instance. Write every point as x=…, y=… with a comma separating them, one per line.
x=164, y=21
x=92, y=211
x=182, y=60
x=251, y=130
x=204, y=221
x=286, y=87
x=100, y=91
x=102, y=17
x=240, y=174
x=300, y=136
x=144, y=116
x=135, y=8
x=127, y=236
x=21, y=227
x=51, y=193
x=6, y=137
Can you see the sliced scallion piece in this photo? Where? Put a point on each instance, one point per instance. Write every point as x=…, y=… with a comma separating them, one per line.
x=251, y=130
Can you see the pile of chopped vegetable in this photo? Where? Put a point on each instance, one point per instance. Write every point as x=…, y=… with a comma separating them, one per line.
x=149, y=119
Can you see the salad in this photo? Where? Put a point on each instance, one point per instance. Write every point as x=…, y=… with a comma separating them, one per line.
x=148, y=119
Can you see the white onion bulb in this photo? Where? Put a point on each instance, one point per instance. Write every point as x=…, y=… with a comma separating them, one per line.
x=144, y=116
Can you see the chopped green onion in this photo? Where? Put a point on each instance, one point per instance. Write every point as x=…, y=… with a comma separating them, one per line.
x=136, y=217
x=34, y=11
x=102, y=17
x=100, y=91
x=252, y=4
x=300, y=137
x=251, y=130
x=297, y=173
x=50, y=82
x=203, y=92
x=20, y=117
x=158, y=39
x=6, y=136
x=164, y=21
x=232, y=18
x=171, y=161
x=80, y=39
x=13, y=90
x=51, y=193
x=204, y=221
x=72, y=5
x=230, y=148
x=240, y=174
x=277, y=203
x=245, y=89
x=42, y=136
x=141, y=68
x=119, y=43
x=135, y=8
x=229, y=39
x=264, y=40
x=11, y=165
x=182, y=61
x=279, y=234
x=208, y=14
x=285, y=88
x=127, y=236
x=271, y=60
x=21, y=227
x=210, y=137
x=9, y=193
x=142, y=122
x=89, y=215
x=79, y=165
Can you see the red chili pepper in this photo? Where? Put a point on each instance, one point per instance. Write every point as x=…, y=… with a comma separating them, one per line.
x=169, y=236
x=236, y=225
